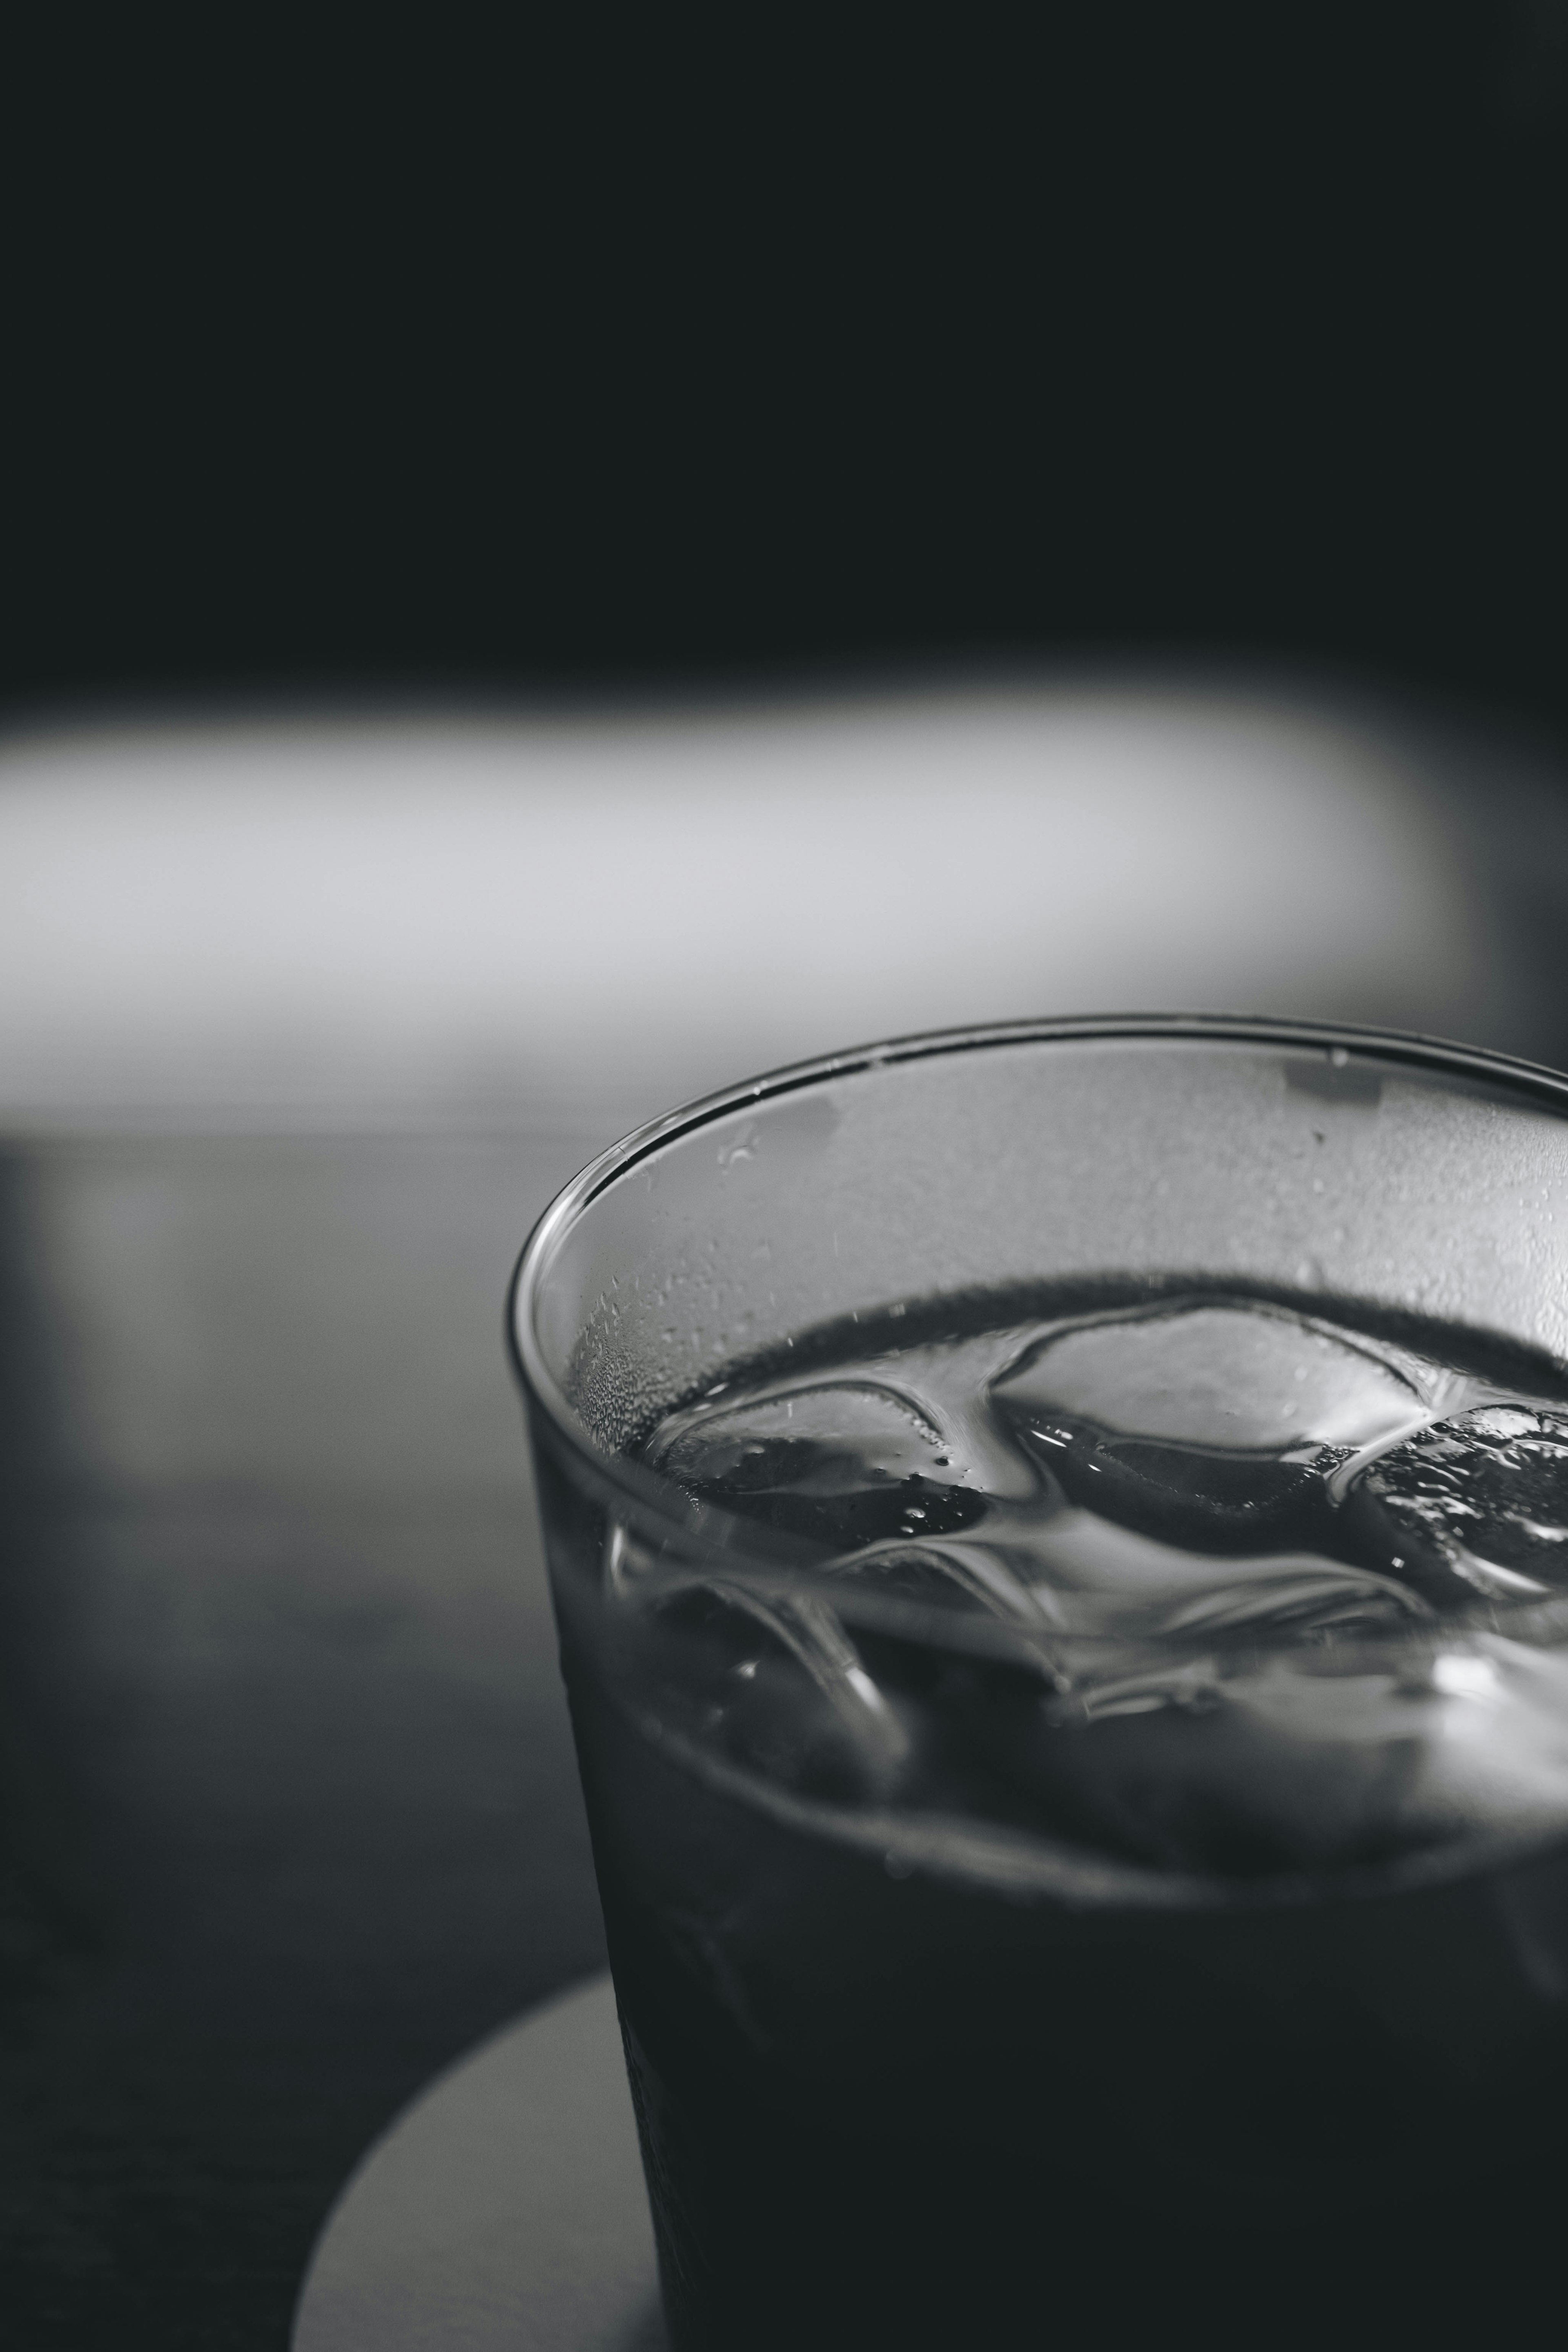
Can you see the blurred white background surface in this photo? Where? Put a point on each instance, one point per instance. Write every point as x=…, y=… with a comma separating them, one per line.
x=360, y=921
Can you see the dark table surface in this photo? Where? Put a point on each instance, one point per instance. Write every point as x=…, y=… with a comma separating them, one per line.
x=289, y=1809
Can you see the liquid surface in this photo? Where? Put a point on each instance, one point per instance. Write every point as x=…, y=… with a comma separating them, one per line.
x=1231, y=1588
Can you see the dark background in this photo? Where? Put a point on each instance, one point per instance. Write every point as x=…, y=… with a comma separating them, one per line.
x=472, y=357
x=536, y=353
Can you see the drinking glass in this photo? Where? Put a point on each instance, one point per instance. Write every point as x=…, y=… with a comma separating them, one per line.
x=913, y=2078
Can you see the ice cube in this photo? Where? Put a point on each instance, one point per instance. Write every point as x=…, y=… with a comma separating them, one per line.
x=964, y=1576
x=771, y=1682
x=1245, y=1376
x=1211, y=1425
x=1291, y=1765
x=1288, y=1599
x=1105, y=1578
x=1474, y=1505
x=1188, y=1495
x=846, y=1463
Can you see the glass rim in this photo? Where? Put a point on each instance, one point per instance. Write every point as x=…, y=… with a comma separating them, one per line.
x=664, y=1502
